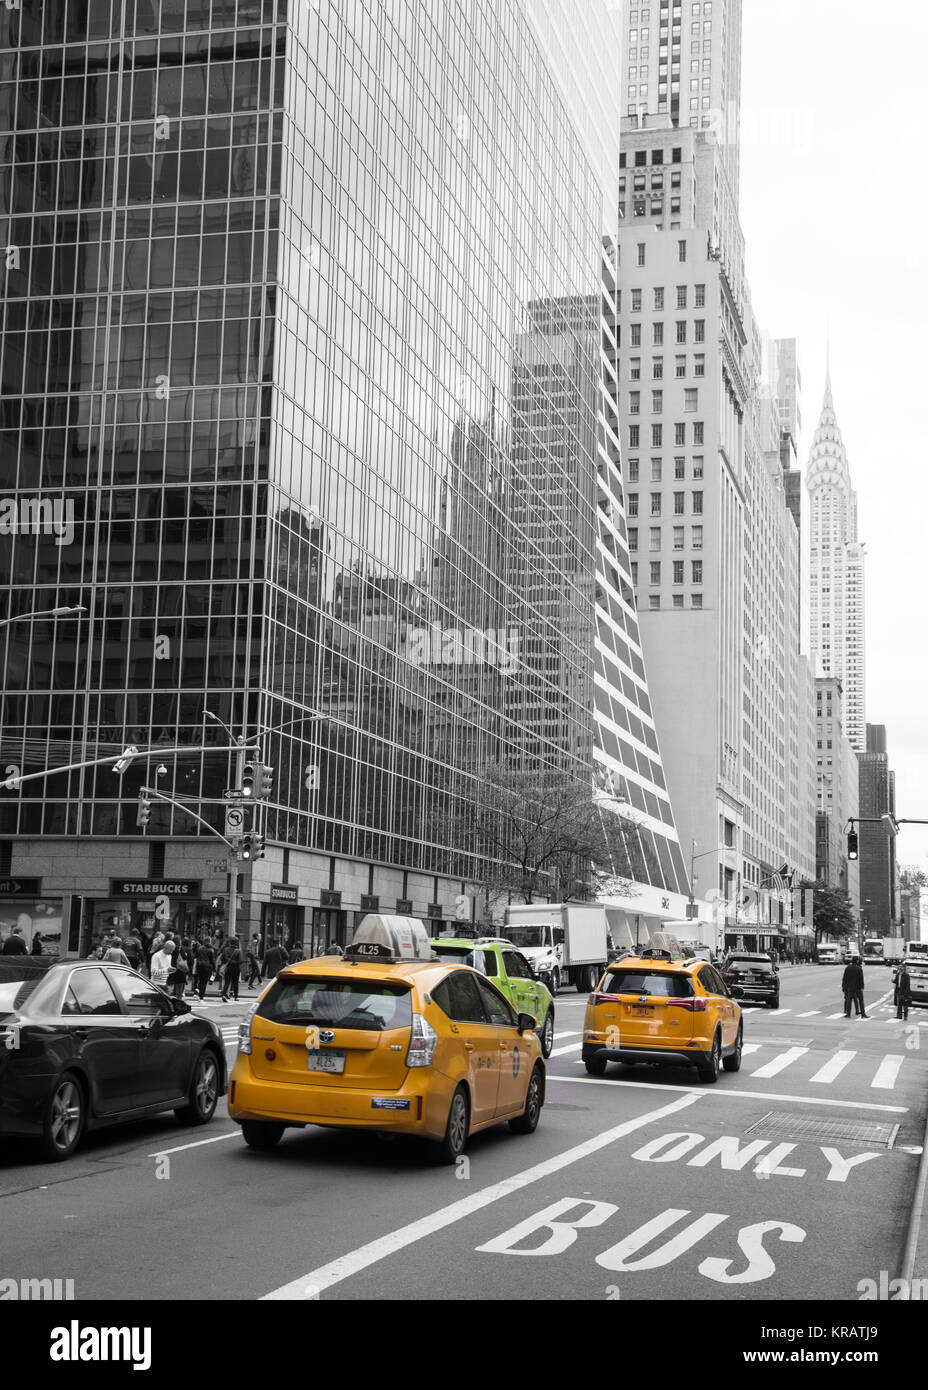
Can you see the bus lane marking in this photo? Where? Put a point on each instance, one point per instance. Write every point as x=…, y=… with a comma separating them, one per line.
x=312, y=1284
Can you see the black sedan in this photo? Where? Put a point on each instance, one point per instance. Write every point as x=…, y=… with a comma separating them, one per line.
x=752, y=978
x=85, y=1044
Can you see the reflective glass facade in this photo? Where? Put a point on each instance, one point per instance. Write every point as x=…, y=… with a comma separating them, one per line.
x=289, y=331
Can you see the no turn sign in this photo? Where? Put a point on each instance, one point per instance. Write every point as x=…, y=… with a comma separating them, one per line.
x=235, y=821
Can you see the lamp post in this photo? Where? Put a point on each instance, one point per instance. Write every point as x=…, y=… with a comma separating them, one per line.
x=693, y=881
x=239, y=741
x=61, y=612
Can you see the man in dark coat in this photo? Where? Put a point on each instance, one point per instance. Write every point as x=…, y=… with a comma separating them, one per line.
x=275, y=958
x=903, y=992
x=15, y=944
x=852, y=982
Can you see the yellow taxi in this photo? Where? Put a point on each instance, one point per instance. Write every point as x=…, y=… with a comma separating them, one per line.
x=387, y=1038
x=658, y=1007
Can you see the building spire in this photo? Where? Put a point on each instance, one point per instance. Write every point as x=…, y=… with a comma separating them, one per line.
x=828, y=397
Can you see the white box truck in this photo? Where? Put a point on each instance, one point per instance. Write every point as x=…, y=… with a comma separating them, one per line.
x=893, y=947
x=563, y=941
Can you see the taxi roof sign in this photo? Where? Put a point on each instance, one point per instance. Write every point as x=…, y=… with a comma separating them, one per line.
x=379, y=937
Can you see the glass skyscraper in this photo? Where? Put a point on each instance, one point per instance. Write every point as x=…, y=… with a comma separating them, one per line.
x=281, y=286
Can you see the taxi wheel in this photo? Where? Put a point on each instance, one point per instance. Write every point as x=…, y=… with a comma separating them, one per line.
x=546, y=1034
x=527, y=1122
x=450, y=1148
x=709, y=1069
x=261, y=1134
x=596, y=1064
x=733, y=1063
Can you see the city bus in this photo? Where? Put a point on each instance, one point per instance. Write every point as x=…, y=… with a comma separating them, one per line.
x=873, y=950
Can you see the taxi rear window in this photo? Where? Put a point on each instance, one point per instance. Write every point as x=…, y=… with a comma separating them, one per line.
x=664, y=984
x=742, y=966
x=367, y=1005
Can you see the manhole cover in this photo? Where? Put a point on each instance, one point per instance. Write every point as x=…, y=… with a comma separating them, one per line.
x=779, y=1124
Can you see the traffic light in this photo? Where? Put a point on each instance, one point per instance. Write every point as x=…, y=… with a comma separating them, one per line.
x=266, y=780
x=852, y=844
x=248, y=779
x=254, y=846
x=144, y=811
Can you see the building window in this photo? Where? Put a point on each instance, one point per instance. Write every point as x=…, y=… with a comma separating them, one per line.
x=636, y=301
x=698, y=428
x=697, y=504
x=697, y=600
x=633, y=504
x=657, y=368
x=655, y=504
x=641, y=253
x=635, y=335
x=679, y=433
x=679, y=503
x=697, y=571
x=633, y=537
x=657, y=436
x=681, y=365
x=697, y=538
x=678, y=538
x=681, y=250
x=681, y=330
x=655, y=571
x=699, y=364
x=658, y=334
x=634, y=432
x=634, y=402
x=654, y=601
x=657, y=402
x=679, y=467
x=655, y=538
x=681, y=296
x=657, y=469
x=634, y=571
x=699, y=329
x=700, y=296
x=678, y=600
x=634, y=369
x=678, y=571
x=632, y=470
x=659, y=298
x=691, y=398
x=697, y=465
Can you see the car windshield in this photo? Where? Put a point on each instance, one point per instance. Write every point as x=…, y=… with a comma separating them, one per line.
x=526, y=935
x=362, y=1004
x=764, y=966
x=669, y=984
x=18, y=978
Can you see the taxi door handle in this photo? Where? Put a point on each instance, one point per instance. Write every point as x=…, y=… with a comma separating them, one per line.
x=469, y=1047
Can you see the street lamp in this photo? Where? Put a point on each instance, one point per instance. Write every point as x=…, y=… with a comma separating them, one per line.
x=61, y=612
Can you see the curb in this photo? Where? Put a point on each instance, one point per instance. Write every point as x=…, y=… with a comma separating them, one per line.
x=916, y=1216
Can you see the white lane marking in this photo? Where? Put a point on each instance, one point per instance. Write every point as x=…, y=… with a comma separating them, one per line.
x=217, y=1139
x=887, y=1072
x=571, y=1047
x=573, y=1033
x=778, y=1064
x=833, y=1067
x=840, y=1015
x=750, y=1047
x=781, y=1012
x=729, y=1091
x=317, y=1280
x=811, y=1013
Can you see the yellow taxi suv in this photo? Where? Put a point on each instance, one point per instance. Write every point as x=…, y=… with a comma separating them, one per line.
x=655, y=1008
x=388, y=1038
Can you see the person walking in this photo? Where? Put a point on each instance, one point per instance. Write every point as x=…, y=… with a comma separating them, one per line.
x=205, y=960
x=15, y=944
x=36, y=944
x=135, y=951
x=275, y=958
x=903, y=992
x=253, y=962
x=233, y=970
x=115, y=954
x=296, y=953
x=852, y=983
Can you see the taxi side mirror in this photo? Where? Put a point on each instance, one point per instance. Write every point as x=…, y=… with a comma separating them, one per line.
x=525, y=1023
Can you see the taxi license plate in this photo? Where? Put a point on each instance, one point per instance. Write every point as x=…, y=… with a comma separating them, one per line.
x=325, y=1061
x=642, y=1009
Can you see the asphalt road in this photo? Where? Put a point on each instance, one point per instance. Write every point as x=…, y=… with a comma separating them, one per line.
x=792, y=1179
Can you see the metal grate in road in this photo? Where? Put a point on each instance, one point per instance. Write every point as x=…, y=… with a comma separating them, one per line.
x=780, y=1124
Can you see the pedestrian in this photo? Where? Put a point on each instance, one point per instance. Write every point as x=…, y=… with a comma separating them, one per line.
x=296, y=953
x=15, y=944
x=253, y=962
x=205, y=960
x=177, y=979
x=36, y=944
x=162, y=964
x=134, y=949
x=903, y=992
x=852, y=983
x=275, y=958
x=233, y=969
x=115, y=954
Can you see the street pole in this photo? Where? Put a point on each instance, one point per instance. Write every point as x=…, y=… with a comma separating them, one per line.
x=232, y=913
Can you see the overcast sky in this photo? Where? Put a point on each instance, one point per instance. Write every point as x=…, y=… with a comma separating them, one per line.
x=833, y=205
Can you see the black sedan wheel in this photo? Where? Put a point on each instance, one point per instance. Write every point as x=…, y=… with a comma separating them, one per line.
x=204, y=1092
x=63, y=1124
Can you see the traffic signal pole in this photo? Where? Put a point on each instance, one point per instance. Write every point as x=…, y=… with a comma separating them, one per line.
x=232, y=910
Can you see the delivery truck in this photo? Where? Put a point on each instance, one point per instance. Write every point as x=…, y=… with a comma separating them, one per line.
x=562, y=941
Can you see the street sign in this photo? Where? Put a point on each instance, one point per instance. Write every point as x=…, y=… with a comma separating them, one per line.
x=235, y=821
x=233, y=794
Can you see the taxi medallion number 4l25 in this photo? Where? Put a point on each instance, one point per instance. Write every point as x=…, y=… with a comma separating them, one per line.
x=325, y=1061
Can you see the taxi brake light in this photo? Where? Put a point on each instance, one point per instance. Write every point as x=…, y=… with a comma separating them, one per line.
x=422, y=1043
x=697, y=1004
x=597, y=997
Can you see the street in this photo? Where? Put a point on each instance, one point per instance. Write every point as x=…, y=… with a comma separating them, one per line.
x=643, y=1184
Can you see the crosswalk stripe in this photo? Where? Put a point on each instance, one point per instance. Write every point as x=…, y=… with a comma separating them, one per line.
x=780, y=1063
x=833, y=1067
x=571, y=1047
x=573, y=1033
x=810, y=1014
x=751, y=1047
x=887, y=1072
x=842, y=1014
x=781, y=1012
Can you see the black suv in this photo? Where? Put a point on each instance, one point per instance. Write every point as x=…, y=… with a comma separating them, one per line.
x=752, y=978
